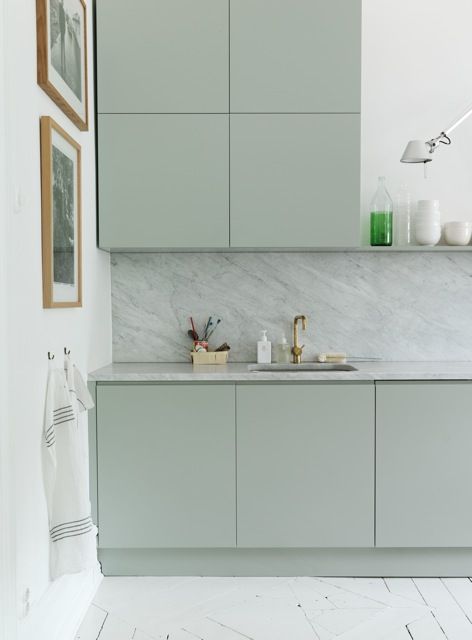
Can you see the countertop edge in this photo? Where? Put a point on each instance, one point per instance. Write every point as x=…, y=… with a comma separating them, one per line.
x=234, y=372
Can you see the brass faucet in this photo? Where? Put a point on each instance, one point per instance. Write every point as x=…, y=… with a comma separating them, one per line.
x=296, y=349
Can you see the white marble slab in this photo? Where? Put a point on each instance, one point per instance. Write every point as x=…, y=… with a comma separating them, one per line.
x=396, y=306
x=184, y=372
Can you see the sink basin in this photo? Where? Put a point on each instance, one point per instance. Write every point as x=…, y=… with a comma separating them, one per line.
x=304, y=366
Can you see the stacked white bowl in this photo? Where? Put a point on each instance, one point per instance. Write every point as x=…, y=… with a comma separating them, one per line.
x=428, y=222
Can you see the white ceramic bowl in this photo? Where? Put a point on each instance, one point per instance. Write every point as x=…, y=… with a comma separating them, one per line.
x=428, y=205
x=428, y=234
x=428, y=217
x=458, y=233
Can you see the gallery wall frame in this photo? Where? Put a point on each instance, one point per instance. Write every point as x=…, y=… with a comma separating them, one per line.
x=61, y=216
x=62, y=71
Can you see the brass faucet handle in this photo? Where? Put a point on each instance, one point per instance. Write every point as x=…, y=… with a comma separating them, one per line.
x=297, y=350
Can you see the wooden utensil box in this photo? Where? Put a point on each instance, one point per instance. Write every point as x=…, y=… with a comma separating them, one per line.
x=209, y=357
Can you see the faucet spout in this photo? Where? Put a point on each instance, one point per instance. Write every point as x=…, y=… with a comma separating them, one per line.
x=297, y=350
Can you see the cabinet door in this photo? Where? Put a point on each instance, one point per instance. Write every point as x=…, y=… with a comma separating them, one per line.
x=302, y=56
x=166, y=466
x=305, y=465
x=424, y=470
x=163, y=181
x=295, y=180
x=162, y=56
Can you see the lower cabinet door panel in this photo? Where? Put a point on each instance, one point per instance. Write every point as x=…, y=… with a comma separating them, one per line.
x=305, y=465
x=424, y=468
x=166, y=466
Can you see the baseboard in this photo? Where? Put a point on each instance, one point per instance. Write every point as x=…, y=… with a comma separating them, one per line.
x=58, y=614
x=287, y=562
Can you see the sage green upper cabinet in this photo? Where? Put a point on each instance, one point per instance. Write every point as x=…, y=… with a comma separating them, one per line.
x=166, y=466
x=162, y=56
x=424, y=470
x=295, y=180
x=302, y=56
x=305, y=465
x=163, y=181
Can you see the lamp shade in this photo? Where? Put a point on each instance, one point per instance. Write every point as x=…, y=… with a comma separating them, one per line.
x=417, y=151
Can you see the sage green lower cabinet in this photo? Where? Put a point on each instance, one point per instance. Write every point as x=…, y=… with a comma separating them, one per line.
x=163, y=181
x=295, y=180
x=305, y=465
x=166, y=466
x=424, y=469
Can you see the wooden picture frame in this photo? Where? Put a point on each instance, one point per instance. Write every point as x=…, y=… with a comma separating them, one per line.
x=61, y=36
x=61, y=217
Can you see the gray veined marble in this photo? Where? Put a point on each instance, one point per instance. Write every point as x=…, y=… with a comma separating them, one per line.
x=396, y=306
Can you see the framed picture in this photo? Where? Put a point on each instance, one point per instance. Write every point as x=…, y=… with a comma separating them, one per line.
x=60, y=217
x=61, y=27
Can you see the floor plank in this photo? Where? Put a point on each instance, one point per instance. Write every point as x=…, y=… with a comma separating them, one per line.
x=426, y=628
x=461, y=591
x=404, y=587
x=400, y=633
x=449, y=615
x=92, y=624
x=116, y=629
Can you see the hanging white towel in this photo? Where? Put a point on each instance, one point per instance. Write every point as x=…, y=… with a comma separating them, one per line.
x=72, y=532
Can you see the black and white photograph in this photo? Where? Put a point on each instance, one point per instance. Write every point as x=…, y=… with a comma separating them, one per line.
x=62, y=55
x=63, y=208
x=61, y=216
x=65, y=43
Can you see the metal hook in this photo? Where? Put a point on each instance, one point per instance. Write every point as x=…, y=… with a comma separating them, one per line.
x=66, y=351
x=50, y=356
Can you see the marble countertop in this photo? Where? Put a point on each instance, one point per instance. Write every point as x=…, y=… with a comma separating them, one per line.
x=236, y=372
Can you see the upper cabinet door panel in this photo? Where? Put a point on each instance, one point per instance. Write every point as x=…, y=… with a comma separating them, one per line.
x=295, y=180
x=162, y=56
x=163, y=181
x=295, y=56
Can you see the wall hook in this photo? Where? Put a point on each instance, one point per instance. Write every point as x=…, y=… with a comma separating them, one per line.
x=50, y=356
x=66, y=351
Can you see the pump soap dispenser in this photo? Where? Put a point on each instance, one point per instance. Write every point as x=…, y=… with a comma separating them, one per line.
x=264, y=349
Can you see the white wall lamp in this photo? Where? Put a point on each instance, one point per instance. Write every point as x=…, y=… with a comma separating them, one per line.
x=420, y=151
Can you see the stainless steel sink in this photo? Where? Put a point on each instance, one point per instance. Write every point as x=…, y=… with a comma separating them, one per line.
x=304, y=366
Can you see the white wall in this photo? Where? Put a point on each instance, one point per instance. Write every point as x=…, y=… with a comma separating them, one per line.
x=33, y=331
x=8, y=626
x=416, y=78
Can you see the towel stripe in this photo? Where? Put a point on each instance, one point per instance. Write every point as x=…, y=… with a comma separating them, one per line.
x=63, y=415
x=77, y=527
x=73, y=535
x=66, y=532
x=62, y=410
x=69, y=523
x=48, y=432
x=51, y=443
x=68, y=406
x=68, y=419
x=78, y=399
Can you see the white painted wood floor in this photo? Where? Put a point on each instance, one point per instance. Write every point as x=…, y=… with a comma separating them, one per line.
x=280, y=609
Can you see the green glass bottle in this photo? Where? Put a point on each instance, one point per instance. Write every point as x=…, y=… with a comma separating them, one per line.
x=381, y=217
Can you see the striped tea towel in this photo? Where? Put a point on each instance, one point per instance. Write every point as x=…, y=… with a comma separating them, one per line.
x=72, y=532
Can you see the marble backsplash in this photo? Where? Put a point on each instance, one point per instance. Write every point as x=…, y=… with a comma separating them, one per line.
x=396, y=306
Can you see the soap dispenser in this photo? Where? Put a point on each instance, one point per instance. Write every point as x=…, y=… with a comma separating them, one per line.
x=282, y=351
x=264, y=349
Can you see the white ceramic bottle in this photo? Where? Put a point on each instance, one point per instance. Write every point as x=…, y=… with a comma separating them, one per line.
x=264, y=349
